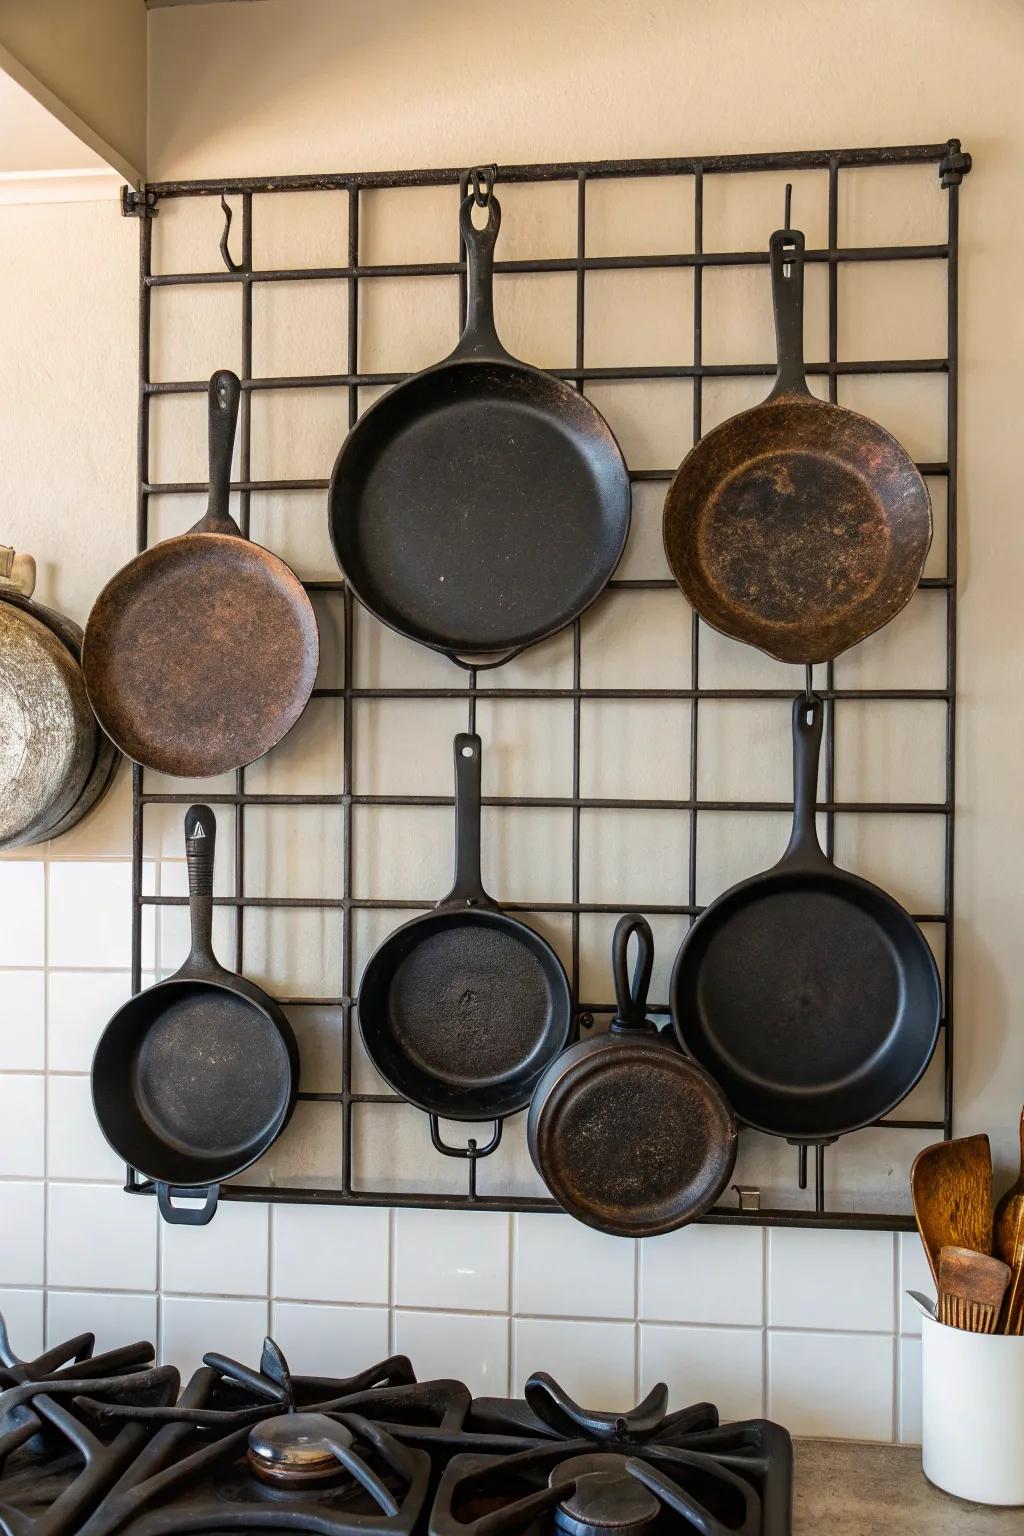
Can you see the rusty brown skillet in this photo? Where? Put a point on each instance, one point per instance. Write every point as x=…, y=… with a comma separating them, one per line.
x=201, y=653
x=630, y=1135
x=798, y=526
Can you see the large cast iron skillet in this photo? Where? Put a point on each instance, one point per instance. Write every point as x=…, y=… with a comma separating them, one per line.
x=798, y=526
x=809, y=994
x=194, y=1079
x=480, y=505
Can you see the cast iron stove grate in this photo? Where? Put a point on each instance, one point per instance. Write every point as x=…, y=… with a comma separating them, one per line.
x=544, y=1465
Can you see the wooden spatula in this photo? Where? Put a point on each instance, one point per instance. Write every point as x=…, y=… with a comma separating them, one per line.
x=951, y=1183
x=1009, y=1244
x=971, y=1289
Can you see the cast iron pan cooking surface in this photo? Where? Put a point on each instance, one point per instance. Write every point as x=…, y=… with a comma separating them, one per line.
x=808, y=993
x=462, y=1009
x=202, y=652
x=628, y=1134
x=798, y=526
x=194, y=1079
x=481, y=505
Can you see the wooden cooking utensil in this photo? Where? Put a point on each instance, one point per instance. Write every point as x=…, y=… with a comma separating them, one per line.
x=1009, y=1244
x=951, y=1185
x=971, y=1289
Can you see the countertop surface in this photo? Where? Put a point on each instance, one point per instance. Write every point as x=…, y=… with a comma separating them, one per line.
x=847, y=1488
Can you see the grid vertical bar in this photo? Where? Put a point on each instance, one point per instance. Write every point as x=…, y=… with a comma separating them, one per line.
x=577, y=628
x=698, y=406
x=348, y=673
x=833, y=394
x=244, y=522
x=952, y=430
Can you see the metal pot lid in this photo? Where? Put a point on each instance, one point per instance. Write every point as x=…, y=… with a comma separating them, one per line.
x=48, y=736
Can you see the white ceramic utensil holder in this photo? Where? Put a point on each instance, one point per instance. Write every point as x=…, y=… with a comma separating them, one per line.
x=972, y=1411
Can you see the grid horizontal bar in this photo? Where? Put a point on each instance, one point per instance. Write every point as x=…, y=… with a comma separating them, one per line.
x=547, y=264
x=566, y=170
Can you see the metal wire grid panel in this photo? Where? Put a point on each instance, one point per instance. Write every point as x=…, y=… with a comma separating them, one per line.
x=950, y=166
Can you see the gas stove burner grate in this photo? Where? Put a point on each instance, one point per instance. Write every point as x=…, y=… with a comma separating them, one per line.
x=104, y=1445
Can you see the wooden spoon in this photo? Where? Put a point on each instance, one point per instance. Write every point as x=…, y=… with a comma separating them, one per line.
x=971, y=1289
x=951, y=1184
x=1009, y=1244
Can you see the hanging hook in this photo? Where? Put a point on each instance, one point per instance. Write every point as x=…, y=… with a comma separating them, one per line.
x=229, y=262
x=483, y=178
x=809, y=683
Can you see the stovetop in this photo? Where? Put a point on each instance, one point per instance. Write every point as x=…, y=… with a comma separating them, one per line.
x=114, y=1445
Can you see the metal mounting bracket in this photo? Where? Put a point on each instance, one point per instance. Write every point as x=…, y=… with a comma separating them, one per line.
x=138, y=205
x=954, y=166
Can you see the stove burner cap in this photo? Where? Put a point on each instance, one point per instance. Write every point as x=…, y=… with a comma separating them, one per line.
x=298, y=1449
x=607, y=1497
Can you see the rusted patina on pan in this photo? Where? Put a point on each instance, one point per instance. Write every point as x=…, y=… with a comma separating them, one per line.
x=201, y=654
x=630, y=1135
x=798, y=526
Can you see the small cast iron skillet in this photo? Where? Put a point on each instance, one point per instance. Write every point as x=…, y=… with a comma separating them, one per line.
x=810, y=994
x=798, y=526
x=482, y=504
x=628, y=1134
x=200, y=654
x=194, y=1078
x=462, y=1009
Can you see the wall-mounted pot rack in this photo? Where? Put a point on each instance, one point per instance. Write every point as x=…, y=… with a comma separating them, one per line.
x=693, y=172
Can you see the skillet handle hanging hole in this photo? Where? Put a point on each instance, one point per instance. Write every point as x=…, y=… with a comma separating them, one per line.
x=472, y=1149
x=631, y=996
x=187, y=1215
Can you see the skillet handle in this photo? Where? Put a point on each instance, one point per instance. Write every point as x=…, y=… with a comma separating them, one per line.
x=479, y=338
x=631, y=997
x=224, y=395
x=200, y=850
x=786, y=249
x=187, y=1215
x=808, y=719
x=468, y=890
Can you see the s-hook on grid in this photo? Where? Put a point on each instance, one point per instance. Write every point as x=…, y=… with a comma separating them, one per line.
x=951, y=165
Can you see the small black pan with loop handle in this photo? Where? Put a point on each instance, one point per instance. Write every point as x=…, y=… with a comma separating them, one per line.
x=628, y=1134
x=482, y=504
x=462, y=1009
x=194, y=1079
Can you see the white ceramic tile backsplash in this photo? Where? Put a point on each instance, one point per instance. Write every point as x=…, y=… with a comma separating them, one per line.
x=23, y=1022
x=472, y=1347
x=21, y=1232
x=833, y=1384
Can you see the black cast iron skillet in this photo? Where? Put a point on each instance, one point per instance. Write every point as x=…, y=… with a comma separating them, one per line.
x=808, y=993
x=194, y=1079
x=200, y=654
x=480, y=505
x=799, y=527
x=628, y=1134
x=462, y=1009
